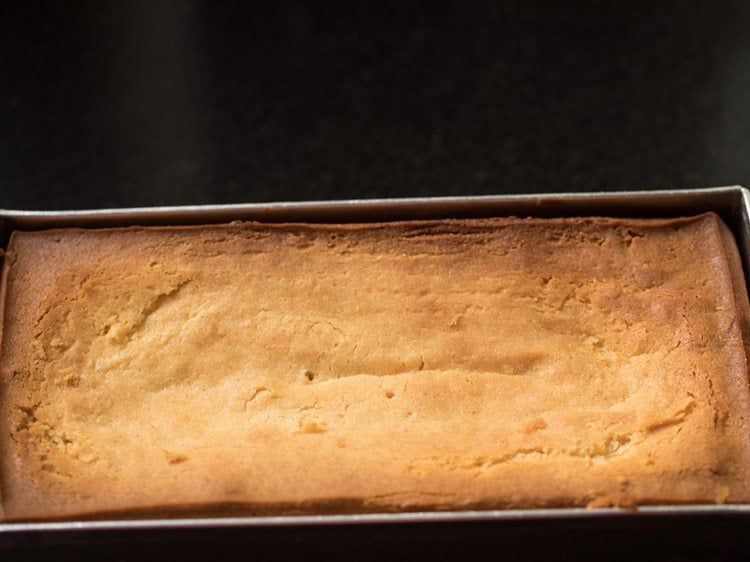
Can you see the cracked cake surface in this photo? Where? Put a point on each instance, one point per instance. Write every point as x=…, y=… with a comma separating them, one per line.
x=442, y=364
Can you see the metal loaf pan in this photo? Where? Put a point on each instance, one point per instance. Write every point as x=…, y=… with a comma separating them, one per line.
x=441, y=533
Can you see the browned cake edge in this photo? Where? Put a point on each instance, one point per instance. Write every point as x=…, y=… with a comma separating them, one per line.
x=742, y=313
x=6, y=257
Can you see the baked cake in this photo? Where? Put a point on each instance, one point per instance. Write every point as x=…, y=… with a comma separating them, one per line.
x=429, y=365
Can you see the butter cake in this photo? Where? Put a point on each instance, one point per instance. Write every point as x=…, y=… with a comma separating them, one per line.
x=427, y=365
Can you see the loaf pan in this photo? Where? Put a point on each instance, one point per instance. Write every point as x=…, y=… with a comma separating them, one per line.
x=731, y=203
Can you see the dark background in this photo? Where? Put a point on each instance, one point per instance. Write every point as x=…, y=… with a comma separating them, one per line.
x=112, y=104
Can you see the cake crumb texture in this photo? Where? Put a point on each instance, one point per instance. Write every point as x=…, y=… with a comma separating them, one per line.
x=299, y=368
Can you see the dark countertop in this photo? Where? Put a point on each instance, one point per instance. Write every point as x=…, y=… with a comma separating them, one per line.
x=111, y=104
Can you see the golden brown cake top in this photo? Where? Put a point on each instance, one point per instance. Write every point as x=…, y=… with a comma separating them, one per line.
x=397, y=366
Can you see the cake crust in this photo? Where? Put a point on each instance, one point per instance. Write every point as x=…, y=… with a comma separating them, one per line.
x=299, y=368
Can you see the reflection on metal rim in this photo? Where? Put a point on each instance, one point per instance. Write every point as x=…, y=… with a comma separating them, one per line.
x=379, y=518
